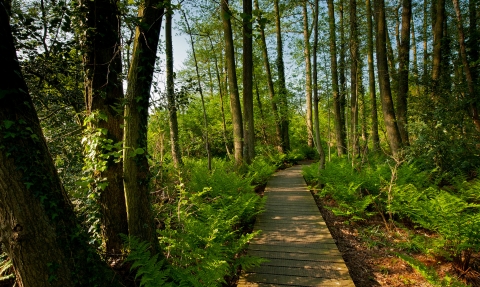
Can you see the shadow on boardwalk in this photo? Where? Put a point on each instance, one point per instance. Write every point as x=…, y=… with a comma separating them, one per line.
x=294, y=239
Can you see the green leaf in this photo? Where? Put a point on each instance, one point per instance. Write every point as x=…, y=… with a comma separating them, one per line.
x=7, y=124
x=139, y=151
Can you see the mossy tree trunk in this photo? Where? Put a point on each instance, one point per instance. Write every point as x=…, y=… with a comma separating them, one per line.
x=104, y=95
x=136, y=168
x=38, y=227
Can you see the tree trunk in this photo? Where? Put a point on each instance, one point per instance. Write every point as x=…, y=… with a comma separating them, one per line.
x=321, y=153
x=282, y=89
x=220, y=90
x=104, y=95
x=249, y=127
x=39, y=230
x=403, y=71
x=232, y=82
x=308, y=75
x=354, y=78
x=342, y=80
x=205, y=120
x=271, y=90
x=437, y=48
x=260, y=107
x=136, y=167
x=466, y=67
x=172, y=106
x=371, y=78
x=384, y=81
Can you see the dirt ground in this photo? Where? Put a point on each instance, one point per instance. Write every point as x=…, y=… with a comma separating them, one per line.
x=372, y=264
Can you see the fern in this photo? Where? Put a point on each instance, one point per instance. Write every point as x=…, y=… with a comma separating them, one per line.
x=6, y=266
x=150, y=269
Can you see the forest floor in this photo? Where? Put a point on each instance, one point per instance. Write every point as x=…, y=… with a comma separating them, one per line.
x=370, y=255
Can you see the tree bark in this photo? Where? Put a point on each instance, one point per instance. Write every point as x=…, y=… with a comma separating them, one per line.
x=249, y=127
x=342, y=79
x=220, y=90
x=393, y=135
x=354, y=78
x=38, y=227
x=437, y=48
x=308, y=76
x=232, y=82
x=371, y=78
x=321, y=164
x=172, y=106
x=104, y=95
x=136, y=167
x=466, y=67
x=282, y=89
x=271, y=90
x=403, y=71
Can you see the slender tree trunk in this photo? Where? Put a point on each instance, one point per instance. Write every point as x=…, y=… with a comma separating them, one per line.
x=260, y=107
x=425, y=42
x=340, y=139
x=354, y=78
x=104, y=95
x=371, y=78
x=172, y=106
x=392, y=63
x=232, y=82
x=136, y=167
x=414, y=51
x=282, y=89
x=315, y=92
x=249, y=127
x=205, y=120
x=437, y=48
x=384, y=81
x=308, y=74
x=39, y=229
x=271, y=90
x=342, y=79
x=403, y=71
x=220, y=90
x=466, y=67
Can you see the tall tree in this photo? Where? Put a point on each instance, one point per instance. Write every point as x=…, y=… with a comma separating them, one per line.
x=172, y=106
x=39, y=230
x=136, y=167
x=437, y=47
x=249, y=128
x=104, y=99
x=232, y=82
x=342, y=79
x=403, y=71
x=315, y=91
x=354, y=78
x=371, y=78
x=308, y=75
x=271, y=90
x=282, y=89
x=339, y=132
x=384, y=81
x=466, y=66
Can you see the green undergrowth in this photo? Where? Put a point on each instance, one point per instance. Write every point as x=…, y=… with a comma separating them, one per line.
x=206, y=226
x=443, y=207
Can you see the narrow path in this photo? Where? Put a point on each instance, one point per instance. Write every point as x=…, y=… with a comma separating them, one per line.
x=294, y=239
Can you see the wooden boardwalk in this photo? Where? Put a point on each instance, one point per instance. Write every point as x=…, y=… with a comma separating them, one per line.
x=294, y=239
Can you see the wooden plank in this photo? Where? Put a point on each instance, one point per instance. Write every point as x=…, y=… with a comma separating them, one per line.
x=338, y=266
x=321, y=249
x=297, y=256
x=302, y=272
x=293, y=280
